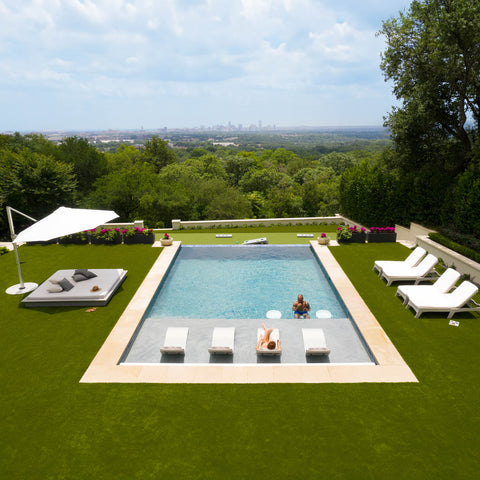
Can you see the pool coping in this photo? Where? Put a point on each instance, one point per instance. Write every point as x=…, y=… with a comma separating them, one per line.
x=105, y=367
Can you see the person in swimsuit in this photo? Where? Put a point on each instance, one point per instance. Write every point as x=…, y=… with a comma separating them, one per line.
x=300, y=308
x=265, y=342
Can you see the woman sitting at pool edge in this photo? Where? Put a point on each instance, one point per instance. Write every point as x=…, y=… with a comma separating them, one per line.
x=300, y=308
x=265, y=342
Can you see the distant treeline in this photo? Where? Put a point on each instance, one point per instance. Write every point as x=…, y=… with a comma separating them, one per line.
x=158, y=183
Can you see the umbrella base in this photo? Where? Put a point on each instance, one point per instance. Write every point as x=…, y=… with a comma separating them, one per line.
x=16, y=290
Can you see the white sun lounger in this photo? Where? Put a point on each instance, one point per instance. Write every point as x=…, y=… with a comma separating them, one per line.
x=175, y=340
x=275, y=336
x=223, y=339
x=395, y=273
x=256, y=241
x=460, y=300
x=411, y=261
x=444, y=284
x=314, y=341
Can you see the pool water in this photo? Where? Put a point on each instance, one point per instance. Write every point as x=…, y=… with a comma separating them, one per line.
x=243, y=282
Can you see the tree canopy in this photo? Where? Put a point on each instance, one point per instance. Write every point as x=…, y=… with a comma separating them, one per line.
x=433, y=59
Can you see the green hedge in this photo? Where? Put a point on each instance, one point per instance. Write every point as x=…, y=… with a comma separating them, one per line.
x=466, y=251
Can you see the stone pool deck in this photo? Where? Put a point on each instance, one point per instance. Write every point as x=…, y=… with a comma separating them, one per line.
x=106, y=366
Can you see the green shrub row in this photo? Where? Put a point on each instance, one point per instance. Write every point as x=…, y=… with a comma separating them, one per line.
x=262, y=228
x=456, y=247
x=470, y=241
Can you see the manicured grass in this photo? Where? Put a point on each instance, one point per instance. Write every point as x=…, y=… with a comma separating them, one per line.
x=53, y=427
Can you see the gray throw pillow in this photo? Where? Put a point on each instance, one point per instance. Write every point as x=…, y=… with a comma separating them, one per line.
x=65, y=284
x=79, y=277
x=86, y=273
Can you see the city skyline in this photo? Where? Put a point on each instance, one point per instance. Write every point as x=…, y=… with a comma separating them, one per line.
x=78, y=65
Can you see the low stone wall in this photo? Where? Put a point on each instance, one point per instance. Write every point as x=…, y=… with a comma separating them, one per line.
x=461, y=263
x=410, y=234
x=136, y=223
x=418, y=235
x=253, y=222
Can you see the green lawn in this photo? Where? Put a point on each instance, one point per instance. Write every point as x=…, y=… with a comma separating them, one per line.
x=282, y=235
x=55, y=428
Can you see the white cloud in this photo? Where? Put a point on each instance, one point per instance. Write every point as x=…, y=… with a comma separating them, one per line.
x=190, y=48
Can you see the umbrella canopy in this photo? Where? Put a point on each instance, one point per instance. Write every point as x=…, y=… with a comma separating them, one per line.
x=64, y=221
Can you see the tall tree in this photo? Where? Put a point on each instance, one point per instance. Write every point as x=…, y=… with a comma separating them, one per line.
x=158, y=153
x=34, y=184
x=433, y=58
x=88, y=163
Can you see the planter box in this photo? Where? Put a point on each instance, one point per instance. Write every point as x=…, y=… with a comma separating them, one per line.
x=46, y=242
x=357, y=237
x=73, y=241
x=139, y=238
x=382, y=237
x=323, y=241
x=101, y=241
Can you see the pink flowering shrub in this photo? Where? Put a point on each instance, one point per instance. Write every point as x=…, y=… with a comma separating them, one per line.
x=382, y=229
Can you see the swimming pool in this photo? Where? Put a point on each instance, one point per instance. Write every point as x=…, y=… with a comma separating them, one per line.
x=243, y=282
x=212, y=286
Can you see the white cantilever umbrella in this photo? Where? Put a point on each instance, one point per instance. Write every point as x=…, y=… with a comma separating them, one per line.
x=63, y=221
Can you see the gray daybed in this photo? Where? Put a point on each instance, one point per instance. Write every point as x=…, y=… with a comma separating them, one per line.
x=107, y=281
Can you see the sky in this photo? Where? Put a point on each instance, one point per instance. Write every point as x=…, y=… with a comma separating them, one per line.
x=128, y=64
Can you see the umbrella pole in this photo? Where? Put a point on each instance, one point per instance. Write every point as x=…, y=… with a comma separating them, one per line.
x=19, y=268
x=21, y=287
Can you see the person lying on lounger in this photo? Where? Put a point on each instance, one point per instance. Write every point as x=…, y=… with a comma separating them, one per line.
x=266, y=342
x=300, y=308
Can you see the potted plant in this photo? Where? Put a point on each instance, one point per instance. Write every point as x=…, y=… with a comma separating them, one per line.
x=323, y=239
x=166, y=240
x=381, y=234
x=348, y=234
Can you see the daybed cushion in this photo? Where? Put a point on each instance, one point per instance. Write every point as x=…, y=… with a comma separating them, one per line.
x=108, y=280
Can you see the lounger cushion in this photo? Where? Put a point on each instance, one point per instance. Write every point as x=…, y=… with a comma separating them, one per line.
x=275, y=336
x=223, y=340
x=65, y=284
x=175, y=340
x=314, y=341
